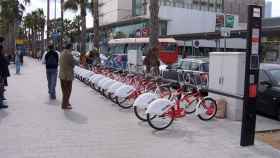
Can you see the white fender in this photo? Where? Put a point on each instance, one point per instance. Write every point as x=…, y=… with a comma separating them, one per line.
x=105, y=82
x=159, y=106
x=124, y=91
x=144, y=100
x=92, y=77
x=97, y=78
x=108, y=84
x=100, y=82
x=114, y=87
x=88, y=75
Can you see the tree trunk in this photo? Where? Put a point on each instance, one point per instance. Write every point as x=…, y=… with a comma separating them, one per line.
x=33, y=42
x=48, y=20
x=154, y=23
x=13, y=38
x=43, y=41
x=83, y=34
x=152, y=58
x=96, y=24
x=62, y=25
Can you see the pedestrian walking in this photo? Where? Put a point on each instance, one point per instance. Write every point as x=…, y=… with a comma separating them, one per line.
x=66, y=75
x=4, y=73
x=51, y=59
x=18, y=61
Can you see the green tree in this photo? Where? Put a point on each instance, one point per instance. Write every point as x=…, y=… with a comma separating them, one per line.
x=34, y=24
x=11, y=17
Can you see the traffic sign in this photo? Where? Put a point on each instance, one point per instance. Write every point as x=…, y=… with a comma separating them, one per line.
x=229, y=22
x=196, y=44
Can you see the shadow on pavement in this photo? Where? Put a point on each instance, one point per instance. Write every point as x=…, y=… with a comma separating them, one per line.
x=129, y=110
x=143, y=124
x=75, y=117
x=3, y=114
x=53, y=102
x=170, y=133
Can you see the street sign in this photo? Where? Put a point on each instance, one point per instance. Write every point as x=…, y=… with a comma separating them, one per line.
x=55, y=35
x=196, y=44
x=229, y=22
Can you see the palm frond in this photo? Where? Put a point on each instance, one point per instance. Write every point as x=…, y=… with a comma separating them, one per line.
x=71, y=5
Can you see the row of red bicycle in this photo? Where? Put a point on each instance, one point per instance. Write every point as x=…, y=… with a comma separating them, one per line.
x=154, y=100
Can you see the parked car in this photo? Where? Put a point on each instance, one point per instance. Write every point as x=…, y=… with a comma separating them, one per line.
x=194, y=65
x=268, y=97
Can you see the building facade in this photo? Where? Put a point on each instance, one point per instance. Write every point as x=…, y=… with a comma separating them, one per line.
x=240, y=7
x=111, y=11
x=130, y=18
x=268, y=9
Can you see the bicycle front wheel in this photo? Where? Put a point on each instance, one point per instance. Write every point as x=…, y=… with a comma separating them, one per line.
x=161, y=122
x=125, y=103
x=189, y=103
x=207, y=109
x=140, y=113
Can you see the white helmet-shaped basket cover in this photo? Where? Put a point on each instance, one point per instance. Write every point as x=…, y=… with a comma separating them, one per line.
x=144, y=100
x=124, y=91
x=159, y=106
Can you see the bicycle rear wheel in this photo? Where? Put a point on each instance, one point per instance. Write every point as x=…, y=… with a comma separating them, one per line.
x=161, y=122
x=207, y=109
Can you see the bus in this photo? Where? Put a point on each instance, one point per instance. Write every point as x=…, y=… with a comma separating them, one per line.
x=124, y=49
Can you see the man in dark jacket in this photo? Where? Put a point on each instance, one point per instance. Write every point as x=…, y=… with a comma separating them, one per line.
x=51, y=59
x=4, y=73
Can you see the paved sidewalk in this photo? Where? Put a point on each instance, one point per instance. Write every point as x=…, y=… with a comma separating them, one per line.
x=35, y=127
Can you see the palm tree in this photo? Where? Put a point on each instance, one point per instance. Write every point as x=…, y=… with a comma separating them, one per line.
x=75, y=5
x=11, y=16
x=95, y=12
x=35, y=23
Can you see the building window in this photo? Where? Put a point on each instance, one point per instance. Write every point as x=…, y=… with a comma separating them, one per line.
x=139, y=7
x=204, y=5
x=219, y=5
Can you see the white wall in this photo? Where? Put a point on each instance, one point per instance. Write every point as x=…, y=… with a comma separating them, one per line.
x=182, y=21
x=115, y=10
x=109, y=10
x=124, y=9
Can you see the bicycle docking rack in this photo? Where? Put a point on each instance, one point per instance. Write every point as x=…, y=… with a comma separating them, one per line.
x=224, y=94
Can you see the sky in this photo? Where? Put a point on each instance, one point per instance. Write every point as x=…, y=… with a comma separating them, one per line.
x=35, y=4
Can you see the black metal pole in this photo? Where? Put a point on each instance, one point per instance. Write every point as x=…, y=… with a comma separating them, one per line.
x=251, y=75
